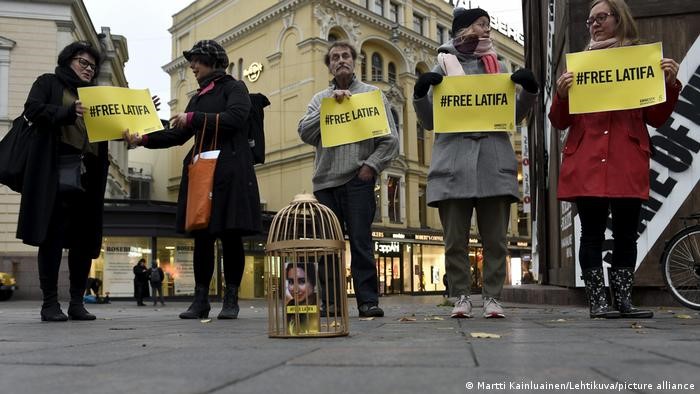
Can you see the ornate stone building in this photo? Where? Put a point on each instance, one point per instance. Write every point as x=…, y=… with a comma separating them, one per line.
x=277, y=48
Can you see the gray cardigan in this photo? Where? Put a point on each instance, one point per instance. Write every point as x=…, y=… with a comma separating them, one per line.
x=337, y=165
x=471, y=165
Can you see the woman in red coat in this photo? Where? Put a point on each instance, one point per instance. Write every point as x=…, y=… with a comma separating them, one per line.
x=605, y=167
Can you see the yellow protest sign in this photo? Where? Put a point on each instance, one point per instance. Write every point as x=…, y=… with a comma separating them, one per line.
x=358, y=118
x=110, y=110
x=474, y=103
x=616, y=78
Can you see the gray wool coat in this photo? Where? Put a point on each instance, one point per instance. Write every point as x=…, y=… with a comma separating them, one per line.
x=471, y=165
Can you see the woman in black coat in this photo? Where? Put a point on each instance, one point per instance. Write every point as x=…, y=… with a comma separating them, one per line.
x=235, y=197
x=50, y=216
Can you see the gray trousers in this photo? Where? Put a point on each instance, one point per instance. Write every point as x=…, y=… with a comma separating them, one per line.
x=492, y=216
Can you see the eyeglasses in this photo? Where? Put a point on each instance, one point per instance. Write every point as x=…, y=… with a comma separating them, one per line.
x=600, y=18
x=85, y=64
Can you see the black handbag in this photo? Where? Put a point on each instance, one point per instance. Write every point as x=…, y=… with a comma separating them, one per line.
x=14, y=150
x=70, y=169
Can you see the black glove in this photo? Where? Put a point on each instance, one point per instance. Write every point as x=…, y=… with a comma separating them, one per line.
x=526, y=79
x=423, y=83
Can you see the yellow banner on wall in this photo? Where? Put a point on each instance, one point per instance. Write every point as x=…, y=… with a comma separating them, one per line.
x=474, y=103
x=110, y=110
x=358, y=118
x=616, y=78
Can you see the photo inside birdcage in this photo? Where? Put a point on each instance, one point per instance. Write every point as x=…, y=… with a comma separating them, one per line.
x=301, y=296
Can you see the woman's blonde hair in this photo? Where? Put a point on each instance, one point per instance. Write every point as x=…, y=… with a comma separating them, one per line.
x=626, y=30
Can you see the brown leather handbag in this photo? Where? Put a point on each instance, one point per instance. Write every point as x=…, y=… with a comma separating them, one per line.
x=200, y=184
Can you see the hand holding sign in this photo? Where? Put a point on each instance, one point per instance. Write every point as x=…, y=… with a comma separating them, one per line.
x=670, y=68
x=339, y=95
x=79, y=109
x=178, y=120
x=564, y=84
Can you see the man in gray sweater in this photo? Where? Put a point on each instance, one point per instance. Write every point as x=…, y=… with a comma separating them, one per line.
x=345, y=175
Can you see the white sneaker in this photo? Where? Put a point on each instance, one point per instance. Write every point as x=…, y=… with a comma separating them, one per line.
x=493, y=308
x=462, y=308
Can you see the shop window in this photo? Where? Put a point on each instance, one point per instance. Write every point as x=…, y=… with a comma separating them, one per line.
x=394, y=198
x=378, y=201
x=428, y=268
x=377, y=67
x=392, y=73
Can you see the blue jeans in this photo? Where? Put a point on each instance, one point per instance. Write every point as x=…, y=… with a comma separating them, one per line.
x=353, y=203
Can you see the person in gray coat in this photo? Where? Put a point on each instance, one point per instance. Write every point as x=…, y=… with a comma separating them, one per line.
x=344, y=178
x=472, y=170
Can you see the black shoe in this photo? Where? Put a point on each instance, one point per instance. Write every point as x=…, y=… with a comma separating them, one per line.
x=140, y=304
x=370, y=310
x=78, y=312
x=230, y=308
x=53, y=312
x=199, y=309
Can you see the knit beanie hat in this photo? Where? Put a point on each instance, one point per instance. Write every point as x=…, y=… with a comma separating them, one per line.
x=462, y=17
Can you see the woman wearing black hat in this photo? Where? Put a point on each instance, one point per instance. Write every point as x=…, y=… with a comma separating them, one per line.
x=235, y=199
x=472, y=170
x=56, y=215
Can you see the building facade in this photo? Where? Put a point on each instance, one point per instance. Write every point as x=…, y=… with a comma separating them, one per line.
x=32, y=33
x=277, y=48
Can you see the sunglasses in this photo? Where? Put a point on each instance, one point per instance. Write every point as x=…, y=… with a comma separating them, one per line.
x=85, y=64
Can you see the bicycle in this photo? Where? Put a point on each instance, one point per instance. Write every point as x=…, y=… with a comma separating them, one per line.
x=680, y=263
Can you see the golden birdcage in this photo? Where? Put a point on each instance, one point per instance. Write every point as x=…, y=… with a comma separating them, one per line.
x=305, y=272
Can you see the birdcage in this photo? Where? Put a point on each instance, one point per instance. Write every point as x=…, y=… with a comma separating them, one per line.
x=305, y=272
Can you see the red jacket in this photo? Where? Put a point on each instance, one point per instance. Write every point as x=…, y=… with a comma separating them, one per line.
x=607, y=153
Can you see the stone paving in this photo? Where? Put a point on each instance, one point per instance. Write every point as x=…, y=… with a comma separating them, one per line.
x=416, y=348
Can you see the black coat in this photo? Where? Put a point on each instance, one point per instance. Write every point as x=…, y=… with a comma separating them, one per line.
x=235, y=197
x=45, y=108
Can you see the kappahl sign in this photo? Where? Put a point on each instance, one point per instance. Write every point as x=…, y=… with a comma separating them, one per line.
x=387, y=248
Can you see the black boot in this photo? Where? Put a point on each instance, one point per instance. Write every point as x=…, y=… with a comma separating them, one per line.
x=230, y=309
x=621, y=281
x=76, y=308
x=200, y=306
x=595, y=291
x=51, y=309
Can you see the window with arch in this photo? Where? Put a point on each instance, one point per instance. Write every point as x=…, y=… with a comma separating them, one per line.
x=332, y=37
x=420, y=136
x=392, y=73
x=377, y=66
x=418, y=71
x=363, y=65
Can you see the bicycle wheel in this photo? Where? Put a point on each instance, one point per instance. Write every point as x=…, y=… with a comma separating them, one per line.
x=680, y=264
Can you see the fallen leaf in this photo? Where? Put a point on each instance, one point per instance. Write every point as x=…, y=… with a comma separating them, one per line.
x=682, y=316
x=637, y=325
x=434, y=318
x=557, y=321
x=484, y=335
x=336, y=324
x=407, y=319
x=205, y=321
x=366, y=318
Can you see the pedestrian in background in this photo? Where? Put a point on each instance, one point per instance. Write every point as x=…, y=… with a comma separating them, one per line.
x=141, y=273
x=605, y=166
x=57, y=214
x=345, y=175
x=473, y=171
x=156, y=277
x=235, y=202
